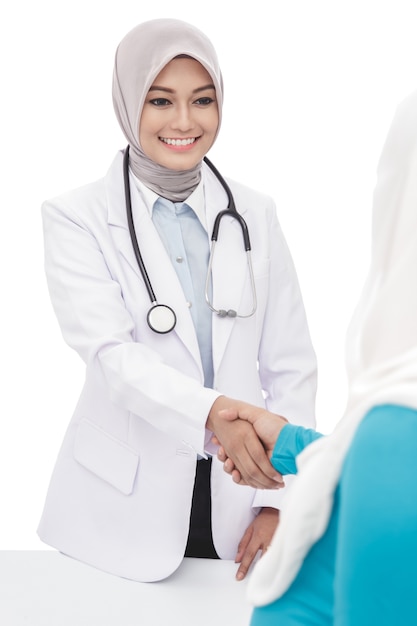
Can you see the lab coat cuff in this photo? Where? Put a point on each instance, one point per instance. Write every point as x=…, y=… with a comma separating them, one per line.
x=200, y=442
x=210, y=447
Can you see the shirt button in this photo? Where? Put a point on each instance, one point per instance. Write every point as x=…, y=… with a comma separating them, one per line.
x=179, y=259
x=189, y=304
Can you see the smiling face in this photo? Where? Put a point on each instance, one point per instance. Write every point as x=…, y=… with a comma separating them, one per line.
x=180, y=117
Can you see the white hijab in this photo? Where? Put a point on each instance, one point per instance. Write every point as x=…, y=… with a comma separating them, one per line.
x=381, y=357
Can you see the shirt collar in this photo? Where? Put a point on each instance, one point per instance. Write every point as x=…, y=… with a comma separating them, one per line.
x=195, y=200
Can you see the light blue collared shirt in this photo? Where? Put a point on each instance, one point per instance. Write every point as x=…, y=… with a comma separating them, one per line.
x=183, y=231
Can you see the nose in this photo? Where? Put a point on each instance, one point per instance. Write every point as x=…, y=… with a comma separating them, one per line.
x=183, y=118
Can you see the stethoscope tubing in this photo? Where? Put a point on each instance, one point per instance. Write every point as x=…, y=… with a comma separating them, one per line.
x=161, y=318
x=230, y=312
x=231, y=210
x=132, y=231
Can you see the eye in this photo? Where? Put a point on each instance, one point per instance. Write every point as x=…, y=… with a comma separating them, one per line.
x=159, y=102
x=204, y=101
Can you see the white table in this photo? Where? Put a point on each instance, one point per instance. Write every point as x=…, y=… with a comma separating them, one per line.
x=45, y=588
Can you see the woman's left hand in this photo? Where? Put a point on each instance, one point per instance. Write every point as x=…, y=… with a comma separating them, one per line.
x=257, y=537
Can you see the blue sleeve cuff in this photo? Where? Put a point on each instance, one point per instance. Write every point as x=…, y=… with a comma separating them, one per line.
x=291, y=441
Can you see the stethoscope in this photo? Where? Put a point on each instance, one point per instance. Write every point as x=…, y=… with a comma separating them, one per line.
x=161, y=318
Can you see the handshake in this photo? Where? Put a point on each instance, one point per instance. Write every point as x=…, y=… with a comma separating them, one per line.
x=246, y=436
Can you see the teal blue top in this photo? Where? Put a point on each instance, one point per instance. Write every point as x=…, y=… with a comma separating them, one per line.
x=363, y=571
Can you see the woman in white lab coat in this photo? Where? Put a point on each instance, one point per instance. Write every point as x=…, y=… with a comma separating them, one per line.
x=124, y=484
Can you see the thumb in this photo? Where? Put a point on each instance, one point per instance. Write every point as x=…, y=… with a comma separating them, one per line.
x=229, y=414
x=248, y=413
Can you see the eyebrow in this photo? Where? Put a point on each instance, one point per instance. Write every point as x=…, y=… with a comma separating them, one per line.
x=168, y=90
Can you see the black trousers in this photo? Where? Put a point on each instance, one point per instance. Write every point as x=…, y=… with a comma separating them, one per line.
x=200, y=540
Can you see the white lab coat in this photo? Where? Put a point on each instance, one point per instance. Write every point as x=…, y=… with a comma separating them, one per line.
x=120, y=493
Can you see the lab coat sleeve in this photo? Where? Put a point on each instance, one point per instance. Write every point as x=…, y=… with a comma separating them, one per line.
x=95, y=322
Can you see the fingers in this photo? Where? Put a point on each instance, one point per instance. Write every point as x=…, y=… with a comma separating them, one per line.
x=221, y=454
x=257, y=538
x=237, y=478
x=229, y=467
x=252, y=475
x=247, y=552
x=244, y=556
x=254, y=465
x=246, y=562
x=246, y=461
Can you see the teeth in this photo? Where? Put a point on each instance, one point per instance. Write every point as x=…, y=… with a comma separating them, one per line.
x=178, y=142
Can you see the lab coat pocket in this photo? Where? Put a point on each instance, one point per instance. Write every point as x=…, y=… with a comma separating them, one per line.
x=109, y=458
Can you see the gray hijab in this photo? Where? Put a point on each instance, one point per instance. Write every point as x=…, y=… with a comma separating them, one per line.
x=140, y=56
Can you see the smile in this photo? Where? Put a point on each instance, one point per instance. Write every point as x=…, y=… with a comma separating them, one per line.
x=178, y=142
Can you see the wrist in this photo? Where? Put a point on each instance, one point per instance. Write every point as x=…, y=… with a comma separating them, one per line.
x=222, y=402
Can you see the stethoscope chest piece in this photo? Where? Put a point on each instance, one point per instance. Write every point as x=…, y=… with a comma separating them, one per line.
x=161, y=318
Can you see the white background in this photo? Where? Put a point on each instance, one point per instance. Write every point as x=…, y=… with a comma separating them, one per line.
x=310, y=90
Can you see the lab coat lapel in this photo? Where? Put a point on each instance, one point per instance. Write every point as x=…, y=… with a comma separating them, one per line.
x=163, y=277
x=229, y=268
